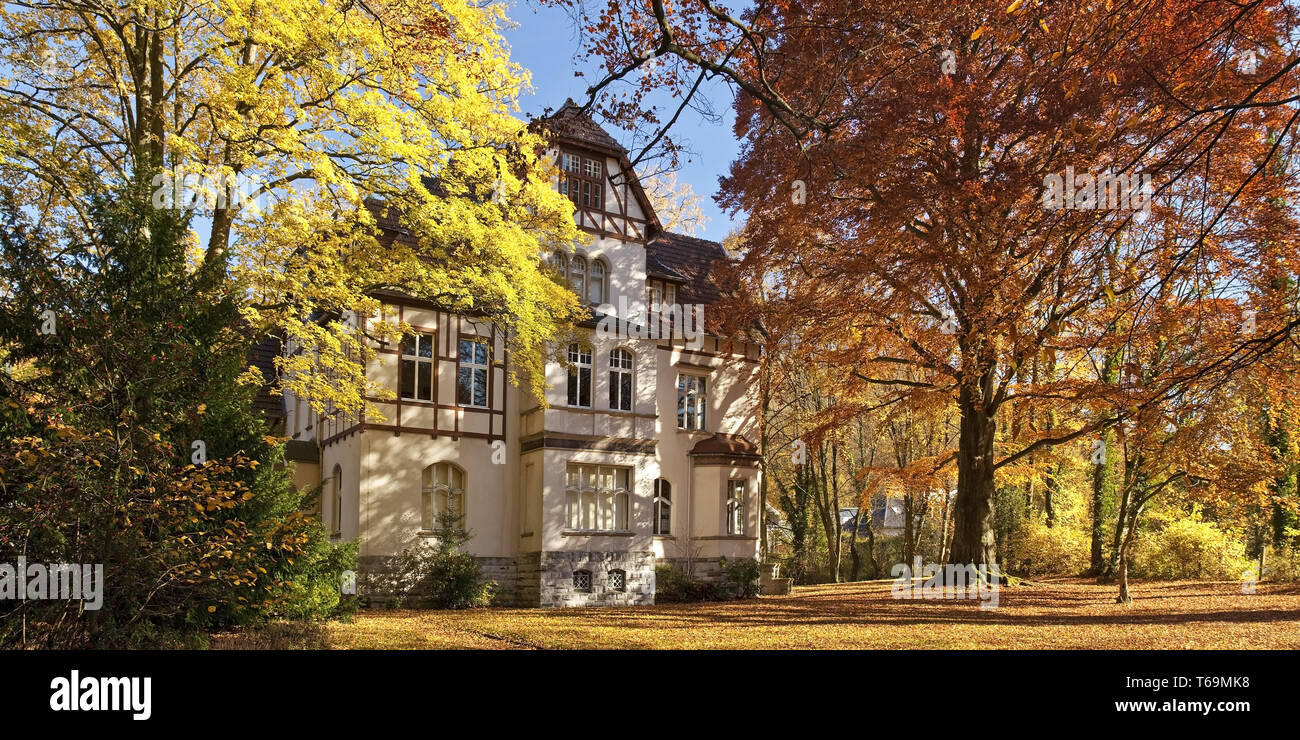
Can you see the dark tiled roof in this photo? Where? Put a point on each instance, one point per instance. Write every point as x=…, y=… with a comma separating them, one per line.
x=263, y=355
x=570, y=122
x=656, y=269
x=692, y=260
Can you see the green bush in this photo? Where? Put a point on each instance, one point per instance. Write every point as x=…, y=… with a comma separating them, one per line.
x=1189, y=548
x=672, y=586
x=438, y=574
x=741, y=576
x=98, y=427
x=739, y=580
x=1035, y=549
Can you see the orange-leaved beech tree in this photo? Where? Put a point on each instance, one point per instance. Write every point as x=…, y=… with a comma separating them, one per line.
x=939, y=193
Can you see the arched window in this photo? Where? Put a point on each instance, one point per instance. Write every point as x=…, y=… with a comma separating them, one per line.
x=596, y=286
x=579, y=376
x=578, y=275
x=442, y=496
x=620, y=380
x=617, y=580
x=582, y=581
x=560, y=264
x=663, y=507
x=336, y=501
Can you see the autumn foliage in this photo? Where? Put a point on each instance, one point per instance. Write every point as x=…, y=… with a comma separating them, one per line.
x=934, y=218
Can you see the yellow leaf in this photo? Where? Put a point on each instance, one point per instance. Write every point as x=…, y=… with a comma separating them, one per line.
x=1043, y=25
x=202, y=407
x=1015, y=6
x=978, y=32
x=211, y=609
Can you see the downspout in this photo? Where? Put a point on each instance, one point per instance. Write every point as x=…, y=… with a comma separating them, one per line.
x=690, y=515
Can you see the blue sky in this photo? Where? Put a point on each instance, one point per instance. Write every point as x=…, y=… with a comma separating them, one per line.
x=545, y=43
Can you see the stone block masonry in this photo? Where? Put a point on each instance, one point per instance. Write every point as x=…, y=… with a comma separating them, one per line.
x=708, y=570
x=583, y=578
x=548, y=579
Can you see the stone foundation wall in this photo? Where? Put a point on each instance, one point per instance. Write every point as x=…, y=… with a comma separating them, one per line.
x=505, y=572
x=372, y=568
x=701, y=569
x=545, y=579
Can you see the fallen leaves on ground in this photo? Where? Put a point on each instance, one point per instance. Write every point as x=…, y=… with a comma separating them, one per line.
x=1054, y=614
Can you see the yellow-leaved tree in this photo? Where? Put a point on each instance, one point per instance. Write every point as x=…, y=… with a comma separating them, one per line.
x=287, y=123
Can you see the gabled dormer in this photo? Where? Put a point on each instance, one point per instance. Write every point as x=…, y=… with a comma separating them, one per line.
x=596, y=174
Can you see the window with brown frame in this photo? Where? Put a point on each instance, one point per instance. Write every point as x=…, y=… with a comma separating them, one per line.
x=583, y=180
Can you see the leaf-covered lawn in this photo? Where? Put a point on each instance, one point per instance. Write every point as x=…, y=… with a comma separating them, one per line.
x=1061, y=613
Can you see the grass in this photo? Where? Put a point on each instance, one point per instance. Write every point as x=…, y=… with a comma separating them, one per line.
x=1067, y=613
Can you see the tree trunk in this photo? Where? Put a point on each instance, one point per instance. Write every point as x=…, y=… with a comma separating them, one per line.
x=973, y=540
x=837, y=553
x=1124, y=597
x=909, y=534
x=1125, y=551
x=1053, y=484
x=765, y=394
x=853, y=545
x=1121, y=533
x=1104, y=484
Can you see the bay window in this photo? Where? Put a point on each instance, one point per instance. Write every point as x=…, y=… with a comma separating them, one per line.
x=597, y=497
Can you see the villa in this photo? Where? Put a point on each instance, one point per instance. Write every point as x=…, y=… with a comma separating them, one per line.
x=645, y=452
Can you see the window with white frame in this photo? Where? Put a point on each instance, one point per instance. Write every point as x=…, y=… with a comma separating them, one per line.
x=597, y=497
x=579, y=375
x=582, y=580
x=620, y=380
x=736, y=506
x=472, y=373
x=588, y=279
x=416, y=382
x=442, y=495
x=617, y=580
x=691, y=400
x=578, y=275
x=663, y=521
x=662, y=295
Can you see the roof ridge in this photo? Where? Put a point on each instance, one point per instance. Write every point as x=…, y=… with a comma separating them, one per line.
x=680, y=235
